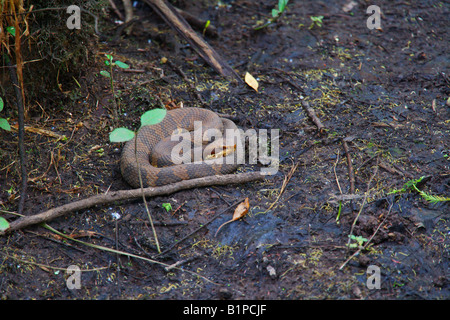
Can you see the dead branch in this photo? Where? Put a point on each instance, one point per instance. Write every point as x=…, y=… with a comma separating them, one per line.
x=351, y=173
x=312, y=114
x=174, y=19
x=122, y=195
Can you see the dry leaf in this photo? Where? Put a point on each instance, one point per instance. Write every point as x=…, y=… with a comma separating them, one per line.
x=251, y=81
x=240, y=211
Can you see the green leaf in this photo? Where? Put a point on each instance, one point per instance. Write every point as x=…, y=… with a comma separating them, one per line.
x=107, y=63
x=11, y=30
x=109, y=57
x=4, y=124
x=282, y=5
x=121, y=64
x=275, y=13
x=121, y=135
x=105, y=73
x=1, y=104
x=4, y=225
x=167, y=206
x=153, y=117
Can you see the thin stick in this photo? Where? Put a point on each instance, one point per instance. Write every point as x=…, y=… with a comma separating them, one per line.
x=312, y=114
x=143, y=197
x=283, y=187
x=350, y=167
x=335, y=175
x=366, y=194
x=177, y=22
x=121, y=195
x=199, y=228
x=125, y=253
x=368, y=241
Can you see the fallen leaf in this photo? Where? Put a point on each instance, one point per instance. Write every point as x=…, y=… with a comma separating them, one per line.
x=251, y=81
x=240, y=211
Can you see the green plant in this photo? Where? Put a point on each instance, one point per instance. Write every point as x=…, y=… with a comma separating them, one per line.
x=206, y=26
x=167, y=206
x=123, y=134
x=276, y=13
x=359, y=241
x=412, y=185
x=3, y=122
x=148, y=118
x=109, y=74
x=316, y=21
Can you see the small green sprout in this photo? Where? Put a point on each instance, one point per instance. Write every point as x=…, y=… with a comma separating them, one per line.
x=167, y=206
x=316, y=21
x=206, y=26
x=276, y=13
x=359, y=241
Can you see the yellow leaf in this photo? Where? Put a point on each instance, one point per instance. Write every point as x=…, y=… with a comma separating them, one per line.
x=251, y=81
x=241, y=210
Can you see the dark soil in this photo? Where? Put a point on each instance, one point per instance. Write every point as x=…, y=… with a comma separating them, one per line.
x=381, y=92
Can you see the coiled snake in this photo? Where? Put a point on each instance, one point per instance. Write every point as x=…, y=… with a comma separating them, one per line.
x=153, y=150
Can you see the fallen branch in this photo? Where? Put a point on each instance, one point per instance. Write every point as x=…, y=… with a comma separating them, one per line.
x=351, y=173
x=122, y=195
x=174, y=19
x=312, y=114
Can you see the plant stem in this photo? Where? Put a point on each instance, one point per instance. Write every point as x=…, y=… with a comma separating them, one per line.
x=115, y=111
x=143, y=195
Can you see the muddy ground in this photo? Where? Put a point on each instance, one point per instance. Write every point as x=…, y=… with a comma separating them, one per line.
x=383, y=92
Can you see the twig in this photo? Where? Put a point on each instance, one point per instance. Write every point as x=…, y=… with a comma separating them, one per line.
x=117, y=11
x=121, y=195
x=283, y=187
x=364, y=202
x=357, y=252
x=350, y=167
x=143, y=197
x=179, y=263
x=335, y=175
x=123, y=253
x=339, y=186
x=177, y=22
x=199, y=228
x=312, y=114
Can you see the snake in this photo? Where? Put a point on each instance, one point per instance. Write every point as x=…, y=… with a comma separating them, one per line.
x=150, y=151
